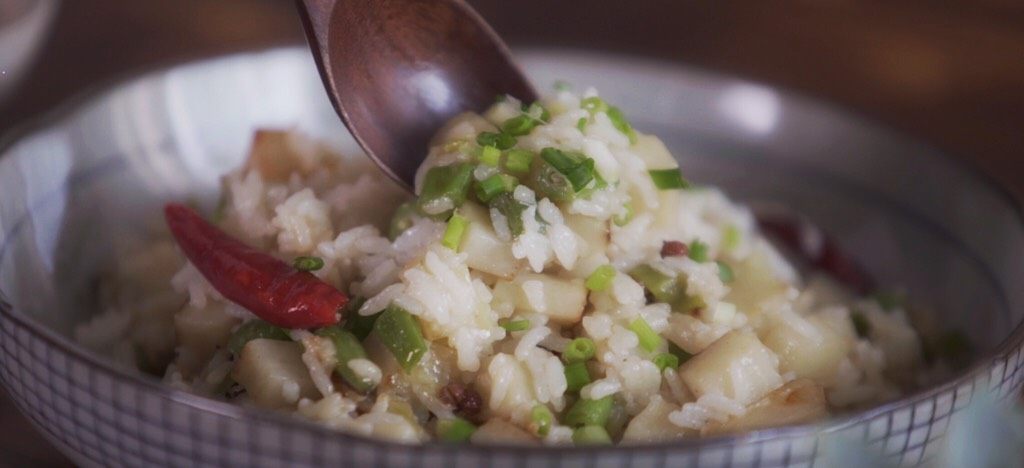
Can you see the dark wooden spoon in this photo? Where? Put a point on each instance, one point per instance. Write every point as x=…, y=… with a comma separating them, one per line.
x=397, y=70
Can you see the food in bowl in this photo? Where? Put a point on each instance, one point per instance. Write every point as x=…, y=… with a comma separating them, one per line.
x=556, y=280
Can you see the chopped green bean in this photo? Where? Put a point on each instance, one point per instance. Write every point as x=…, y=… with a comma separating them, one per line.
x=254, y=330
x=359, y=325
x=579, y=350
x=496, y=184
x=455, y=430
x=502, y=141
x=403, y=219
x=576, y=376
x=346, y=349
x=512, y=210
x=589, y=412
x=400, y=333
x=591, y=435
x=541, y=419
x=663, y=287
x=449, y=182
x=514, y=325
x=519, y=125
x=551, y=184
x=666, y=361
x=649, y=339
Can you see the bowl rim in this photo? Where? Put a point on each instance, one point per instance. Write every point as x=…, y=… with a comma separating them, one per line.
x=980, y=368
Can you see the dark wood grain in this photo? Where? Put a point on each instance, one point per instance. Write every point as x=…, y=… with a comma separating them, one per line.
x=948, y=72
x=397, y=70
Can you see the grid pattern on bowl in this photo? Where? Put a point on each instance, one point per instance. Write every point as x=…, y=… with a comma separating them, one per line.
x=106, y=418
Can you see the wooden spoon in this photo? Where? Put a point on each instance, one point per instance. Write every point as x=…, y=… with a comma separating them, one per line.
x=397, y=70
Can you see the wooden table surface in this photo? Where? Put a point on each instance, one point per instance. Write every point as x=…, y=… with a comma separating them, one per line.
x=948, y=72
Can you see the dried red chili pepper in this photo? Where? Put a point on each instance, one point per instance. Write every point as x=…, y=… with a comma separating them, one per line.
x=268, y=287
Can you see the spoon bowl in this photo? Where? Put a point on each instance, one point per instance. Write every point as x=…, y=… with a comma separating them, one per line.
x=397, y=70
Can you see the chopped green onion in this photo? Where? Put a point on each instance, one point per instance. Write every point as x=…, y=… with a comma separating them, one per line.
x=666, y=361
x=254, y=330
x=581, y=124
x=496, y=184
x=519, y=125
x=663, y=287
x=725, y=272
x=625, y=218
x=860, y=324
x=668, y=179
x=454, y=232
x=591, y=435
x=577, y=168
x=579, y=350
x=455, y=430
x=347, y=348
x=589, y=412
x=678, y=352
x=538, y=112
x=502, y=141
x=518, y=160
x=541, y=420
x=400, y=333
x=305, y=263
x=514, y=325
x=403, y=219
x=577, y=376
x=490, y=156
x=549, y=183
x=451, y=182
x=889, y=300
x=601, y=278
x=649, y=339
x=698, y=251
x=620, y=123
x=561, y=85
x=731, y=237
x=359, y=325
x=594, y=104
x=512, y=210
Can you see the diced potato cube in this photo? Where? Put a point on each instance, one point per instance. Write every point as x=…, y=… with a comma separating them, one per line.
x=273, y=373
x=484, y=250
x=757, y=280
x=501, y=432
x=797, y=402
x=200, y=332
x=276, y=154
x=808, y=347
x=593, y=231
x=653, y=152
x=652, y=424
x=506, y=385
x=736, y=366
x=563, y=300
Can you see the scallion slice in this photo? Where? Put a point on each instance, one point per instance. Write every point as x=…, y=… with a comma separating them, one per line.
x=519, y=125
x=514, y=325
x=576, y=376
x=454, y=232
x=725, y=272
x=601, y=278
x=494, y=185
x=306, y=263
x=594, y=104
x=490, y=156
x=579, y=350
x=624, y=218
x=518, y=160
x=502, y=141
x=666, y=361
x=541, y=419
x=400, y=333
x=620, y=123
x=577, y=168
x=512, y=210
x=649, y=339
x=581, y=124
x=668, y=179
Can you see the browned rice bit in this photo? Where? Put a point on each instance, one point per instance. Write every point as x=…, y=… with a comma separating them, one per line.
x=466, y=401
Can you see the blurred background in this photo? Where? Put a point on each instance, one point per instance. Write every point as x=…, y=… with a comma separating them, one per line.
x=949, y=72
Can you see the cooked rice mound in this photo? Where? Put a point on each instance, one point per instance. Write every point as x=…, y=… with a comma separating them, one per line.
x=698, y=325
